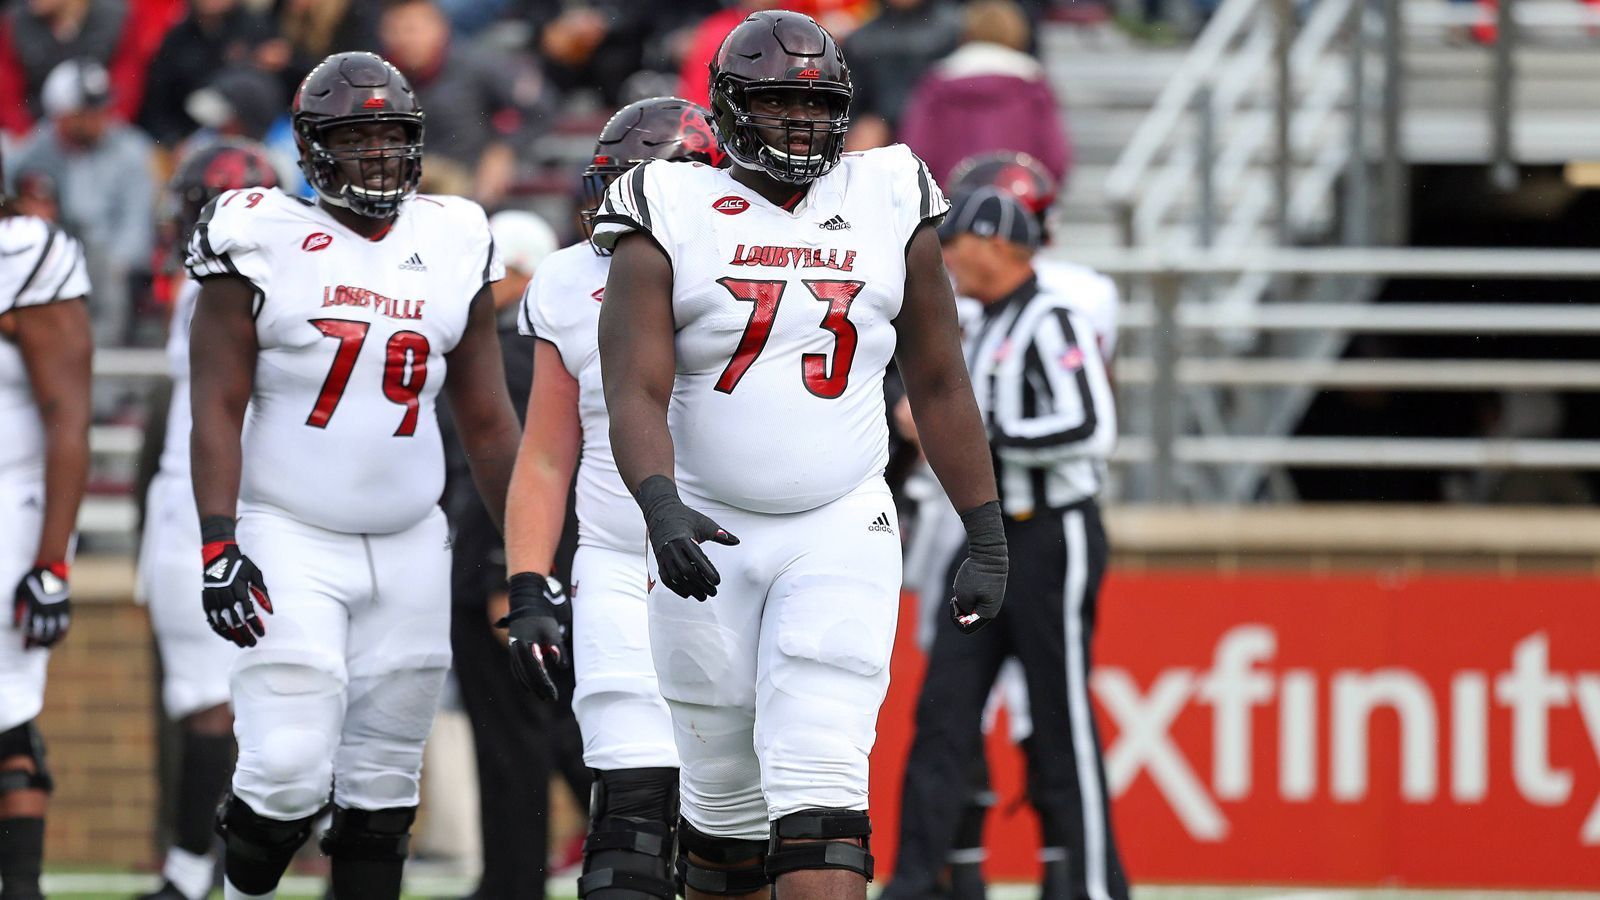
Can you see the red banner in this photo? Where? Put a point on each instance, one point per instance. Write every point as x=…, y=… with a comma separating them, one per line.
x=1349, y=729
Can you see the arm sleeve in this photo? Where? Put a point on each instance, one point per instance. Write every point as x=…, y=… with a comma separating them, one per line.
x=917, y=197
x=634, y=202
x=54, y=271
x=222, y=246
x=1055, y=403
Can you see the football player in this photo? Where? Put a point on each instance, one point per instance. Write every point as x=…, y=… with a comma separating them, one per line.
x=627, y=731
x=749, y=316
x=45, y=348
x=323, y=334
x=194, y=664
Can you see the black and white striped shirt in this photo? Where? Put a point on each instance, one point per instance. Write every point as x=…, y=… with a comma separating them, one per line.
x=1042, y=388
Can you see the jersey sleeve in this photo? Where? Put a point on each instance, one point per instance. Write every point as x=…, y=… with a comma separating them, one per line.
x=46, y=266
x=225, y=242
x=917, y=197
x=494, y=268
x=536, y=319
x=634, y=202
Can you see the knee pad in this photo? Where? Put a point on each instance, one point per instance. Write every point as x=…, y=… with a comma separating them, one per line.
x=288, y=719
x=741, y=864
x=24, y=740
x=629, y=848
x=251, y=836
x=379, y=834
x=821, y=839
x=379, y=761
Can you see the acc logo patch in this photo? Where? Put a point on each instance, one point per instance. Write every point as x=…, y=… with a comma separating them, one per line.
x=315, y=241
x=808, y=74
x=731, y=205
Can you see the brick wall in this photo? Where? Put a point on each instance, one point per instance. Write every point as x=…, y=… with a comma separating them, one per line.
x=99, y=722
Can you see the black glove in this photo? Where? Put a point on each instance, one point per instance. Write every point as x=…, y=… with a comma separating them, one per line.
x=231, y=586
x=675, y=533
x=538, y=623
x=980, y=585
x=42, y=608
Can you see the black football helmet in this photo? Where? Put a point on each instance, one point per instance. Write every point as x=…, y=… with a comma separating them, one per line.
x=354, y=89
x=658, y=128
x=780, y=50
x=228, y=165
x=1018, y=174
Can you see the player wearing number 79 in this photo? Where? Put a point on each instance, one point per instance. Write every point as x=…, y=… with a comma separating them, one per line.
x=749, y=316
x=322, y=336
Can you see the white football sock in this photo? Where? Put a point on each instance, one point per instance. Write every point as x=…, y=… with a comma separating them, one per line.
x=189, y=872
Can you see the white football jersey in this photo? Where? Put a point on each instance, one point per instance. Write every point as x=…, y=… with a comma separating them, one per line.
x=341, y=432
x=1088, y=293
x=785, y=320
x=38, y=264
x=175, y=448
x=562, y=305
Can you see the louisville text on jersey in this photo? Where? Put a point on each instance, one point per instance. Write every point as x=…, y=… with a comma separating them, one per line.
x=794, y=257
x=344, y=295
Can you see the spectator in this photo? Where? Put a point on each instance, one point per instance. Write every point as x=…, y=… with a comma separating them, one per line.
x=587, y=46
x=988, y=95
x=890, y=53
x=215, y=34
x=103, y=172
x=243, y=101
x=38, y=35
x=240, y=101
x=840, y=17
x=475, y=101
x=313, y=29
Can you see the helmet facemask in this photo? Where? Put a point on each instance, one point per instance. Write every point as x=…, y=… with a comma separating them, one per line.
x=597, y=177
x=370, y=179
x=746, y=132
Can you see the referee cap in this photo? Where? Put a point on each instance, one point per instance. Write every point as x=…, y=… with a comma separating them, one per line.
x=990, y=212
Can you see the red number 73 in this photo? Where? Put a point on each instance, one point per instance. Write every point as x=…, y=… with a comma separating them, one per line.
x=764, y=297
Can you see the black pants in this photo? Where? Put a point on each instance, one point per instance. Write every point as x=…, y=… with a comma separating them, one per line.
x=514, y=752
x=1057, y=561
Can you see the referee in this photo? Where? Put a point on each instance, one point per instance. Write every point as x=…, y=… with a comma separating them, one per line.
x=1045, y=397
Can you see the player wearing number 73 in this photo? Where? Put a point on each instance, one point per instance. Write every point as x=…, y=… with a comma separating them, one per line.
x=322, y=336
x=749, y=316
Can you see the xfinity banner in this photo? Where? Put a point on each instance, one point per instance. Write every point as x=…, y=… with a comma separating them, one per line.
x=1348, y=729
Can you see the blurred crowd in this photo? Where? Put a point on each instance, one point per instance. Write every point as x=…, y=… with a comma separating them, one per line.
x=100, y=98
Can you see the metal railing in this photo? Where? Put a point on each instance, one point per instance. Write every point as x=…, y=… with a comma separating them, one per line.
x=1162, y=451
x=1254, y=74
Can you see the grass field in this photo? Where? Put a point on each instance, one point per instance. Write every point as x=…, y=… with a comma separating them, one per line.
x=121, y=886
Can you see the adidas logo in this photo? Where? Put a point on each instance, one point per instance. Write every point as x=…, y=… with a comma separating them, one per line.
x=881, y=523
x=217, y=569
x=413, y=264
x=837, y=223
